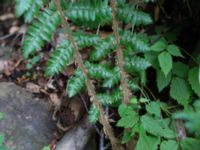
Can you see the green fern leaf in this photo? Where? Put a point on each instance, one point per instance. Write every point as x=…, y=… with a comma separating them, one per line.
x=113, y=98
x=59, y=58
x=129, y=14
x=135, y=41
x=86, y=40
x=75, y=84
x=103, y=48
x=135, y=63
x=40, y=31
x=89, y=14
x=113, y=79
x=93, y=114
x=28, y=8
x=22, y=6
x=133, y=85
x=98, y=71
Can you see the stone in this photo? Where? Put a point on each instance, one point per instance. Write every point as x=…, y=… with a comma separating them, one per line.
x=27, y=122
x=81, y=137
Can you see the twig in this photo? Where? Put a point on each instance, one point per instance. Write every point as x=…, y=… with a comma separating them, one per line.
x=90, y=87
x=125, y=90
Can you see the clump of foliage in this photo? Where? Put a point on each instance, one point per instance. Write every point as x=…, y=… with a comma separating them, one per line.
x=145, y=117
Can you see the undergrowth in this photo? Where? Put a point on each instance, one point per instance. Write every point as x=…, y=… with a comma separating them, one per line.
x=149, y=120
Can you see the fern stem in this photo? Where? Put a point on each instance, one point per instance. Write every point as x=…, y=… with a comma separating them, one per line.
x=91, y=89
x=125, y=90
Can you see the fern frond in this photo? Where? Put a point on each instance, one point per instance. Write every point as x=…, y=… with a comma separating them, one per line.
x=129, y=14
x=133, y=85
x=93, y=114
x=40, y=31
x=89, y=14
x=75, y=84
x=98, y=71
x=59, y=58
x=103, y=48
x=135, y=41
x=86, y=40
x=28, y=8
x=135, y=63
x=112, y=98
x=113, y=79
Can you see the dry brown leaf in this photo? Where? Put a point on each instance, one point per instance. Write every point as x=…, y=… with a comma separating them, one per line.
x=32, y=87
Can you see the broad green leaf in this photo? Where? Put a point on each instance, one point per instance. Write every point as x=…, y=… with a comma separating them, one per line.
x=147, y=142
x=169, y=145
x=174, y=50
x=180, y=69
x=153, y=108
x=190, y=144
x=127, y=136
x=193, y=78
x=165, y=62
x=124, y=110
x=162, y=81
x=129, y=120
x=157, y=127
x=93, y=114
x=180, y=90
x=2, y=137
x=158, y=46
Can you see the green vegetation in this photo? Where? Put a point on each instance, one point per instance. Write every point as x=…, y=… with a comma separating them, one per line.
x=147, y=117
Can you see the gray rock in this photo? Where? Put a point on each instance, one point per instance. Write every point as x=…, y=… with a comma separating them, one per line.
x=27, y=122
x=80, y=137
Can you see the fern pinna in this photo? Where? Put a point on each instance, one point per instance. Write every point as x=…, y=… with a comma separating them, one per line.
x=140, y=52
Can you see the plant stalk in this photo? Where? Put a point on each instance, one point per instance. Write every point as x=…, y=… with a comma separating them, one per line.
x=120, y=58
x=90, y=87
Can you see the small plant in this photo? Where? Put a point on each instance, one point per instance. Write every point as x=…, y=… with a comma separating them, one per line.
x=115, y=70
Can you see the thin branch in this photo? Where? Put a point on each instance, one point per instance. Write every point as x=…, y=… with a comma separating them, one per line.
x=90, y=87
x=125, y=90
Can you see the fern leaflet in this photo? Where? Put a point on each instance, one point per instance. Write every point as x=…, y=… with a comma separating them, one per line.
x=40, y=31
x=59, y=58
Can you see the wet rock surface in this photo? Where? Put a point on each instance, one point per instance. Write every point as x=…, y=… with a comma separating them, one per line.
x=27, y=122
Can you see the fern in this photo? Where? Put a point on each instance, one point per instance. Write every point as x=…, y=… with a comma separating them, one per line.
x=75, y=84
x=112, y=98
x=136, y=63
x=28, y=8
x=86, y=40
x=114, y=79
x=93, y=114
x=59, y=58
x=129, y=14
x=135, y=41
x=40, y=31
x=98, y=71
x=103, y=48
x=89, y=14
